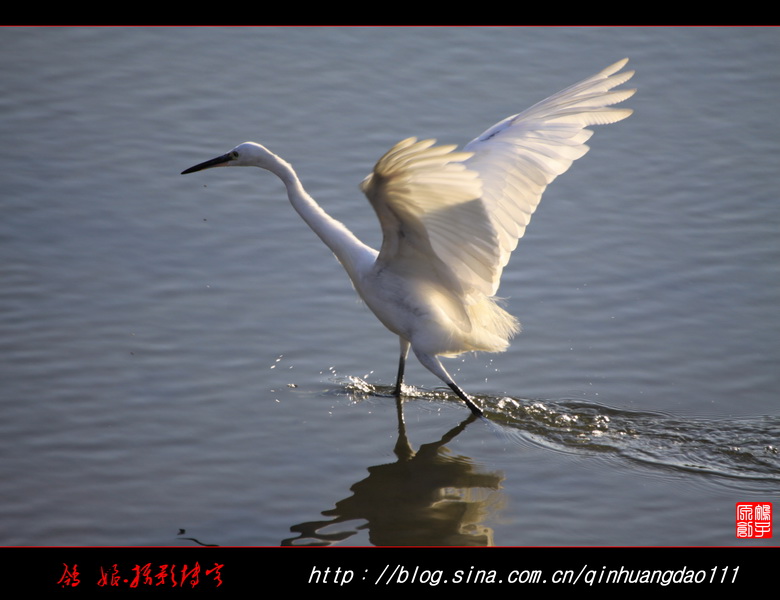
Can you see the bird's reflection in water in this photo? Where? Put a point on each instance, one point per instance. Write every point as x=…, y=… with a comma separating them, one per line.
x=428, y=497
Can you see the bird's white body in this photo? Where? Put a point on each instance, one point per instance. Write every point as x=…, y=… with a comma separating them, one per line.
x=450, y=220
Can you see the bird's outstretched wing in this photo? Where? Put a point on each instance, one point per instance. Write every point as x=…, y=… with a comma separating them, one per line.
x=430, y=209
x=464, y=212
x=518, y=157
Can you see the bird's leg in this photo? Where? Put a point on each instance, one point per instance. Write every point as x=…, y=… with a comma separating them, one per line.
x=401, y=365
x=433, y=364
x=463, y=396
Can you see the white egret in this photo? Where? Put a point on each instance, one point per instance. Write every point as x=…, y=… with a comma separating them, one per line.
x=451, y=219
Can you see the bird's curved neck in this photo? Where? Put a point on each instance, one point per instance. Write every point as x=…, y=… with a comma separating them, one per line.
x=350, y=251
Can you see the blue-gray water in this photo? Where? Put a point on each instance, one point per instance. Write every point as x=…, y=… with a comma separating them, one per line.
x=182, y=353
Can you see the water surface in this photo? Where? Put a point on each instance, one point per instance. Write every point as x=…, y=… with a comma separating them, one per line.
x=181, y=353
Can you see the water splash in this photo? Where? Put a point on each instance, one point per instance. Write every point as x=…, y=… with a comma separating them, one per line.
x=739, y=451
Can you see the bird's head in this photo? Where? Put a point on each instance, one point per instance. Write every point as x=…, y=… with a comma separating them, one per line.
x=248, y=154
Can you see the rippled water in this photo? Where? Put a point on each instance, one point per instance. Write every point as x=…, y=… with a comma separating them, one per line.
x=184, y=363
x=431, y=496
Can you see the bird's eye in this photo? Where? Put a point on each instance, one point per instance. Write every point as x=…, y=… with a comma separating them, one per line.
x=233, y=154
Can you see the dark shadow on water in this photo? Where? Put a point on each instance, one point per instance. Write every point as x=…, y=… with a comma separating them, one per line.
x=426, y=497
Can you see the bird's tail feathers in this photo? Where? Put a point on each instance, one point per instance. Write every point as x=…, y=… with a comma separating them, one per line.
x=491, y=326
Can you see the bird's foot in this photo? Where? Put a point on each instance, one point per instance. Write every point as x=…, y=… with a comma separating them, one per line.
x=476, y=410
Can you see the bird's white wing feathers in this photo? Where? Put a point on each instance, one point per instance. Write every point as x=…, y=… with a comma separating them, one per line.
x=429, y=204
x=467, y=210
x=518, y=157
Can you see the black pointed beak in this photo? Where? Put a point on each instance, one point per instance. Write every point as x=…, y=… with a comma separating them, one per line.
x=214, y=162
